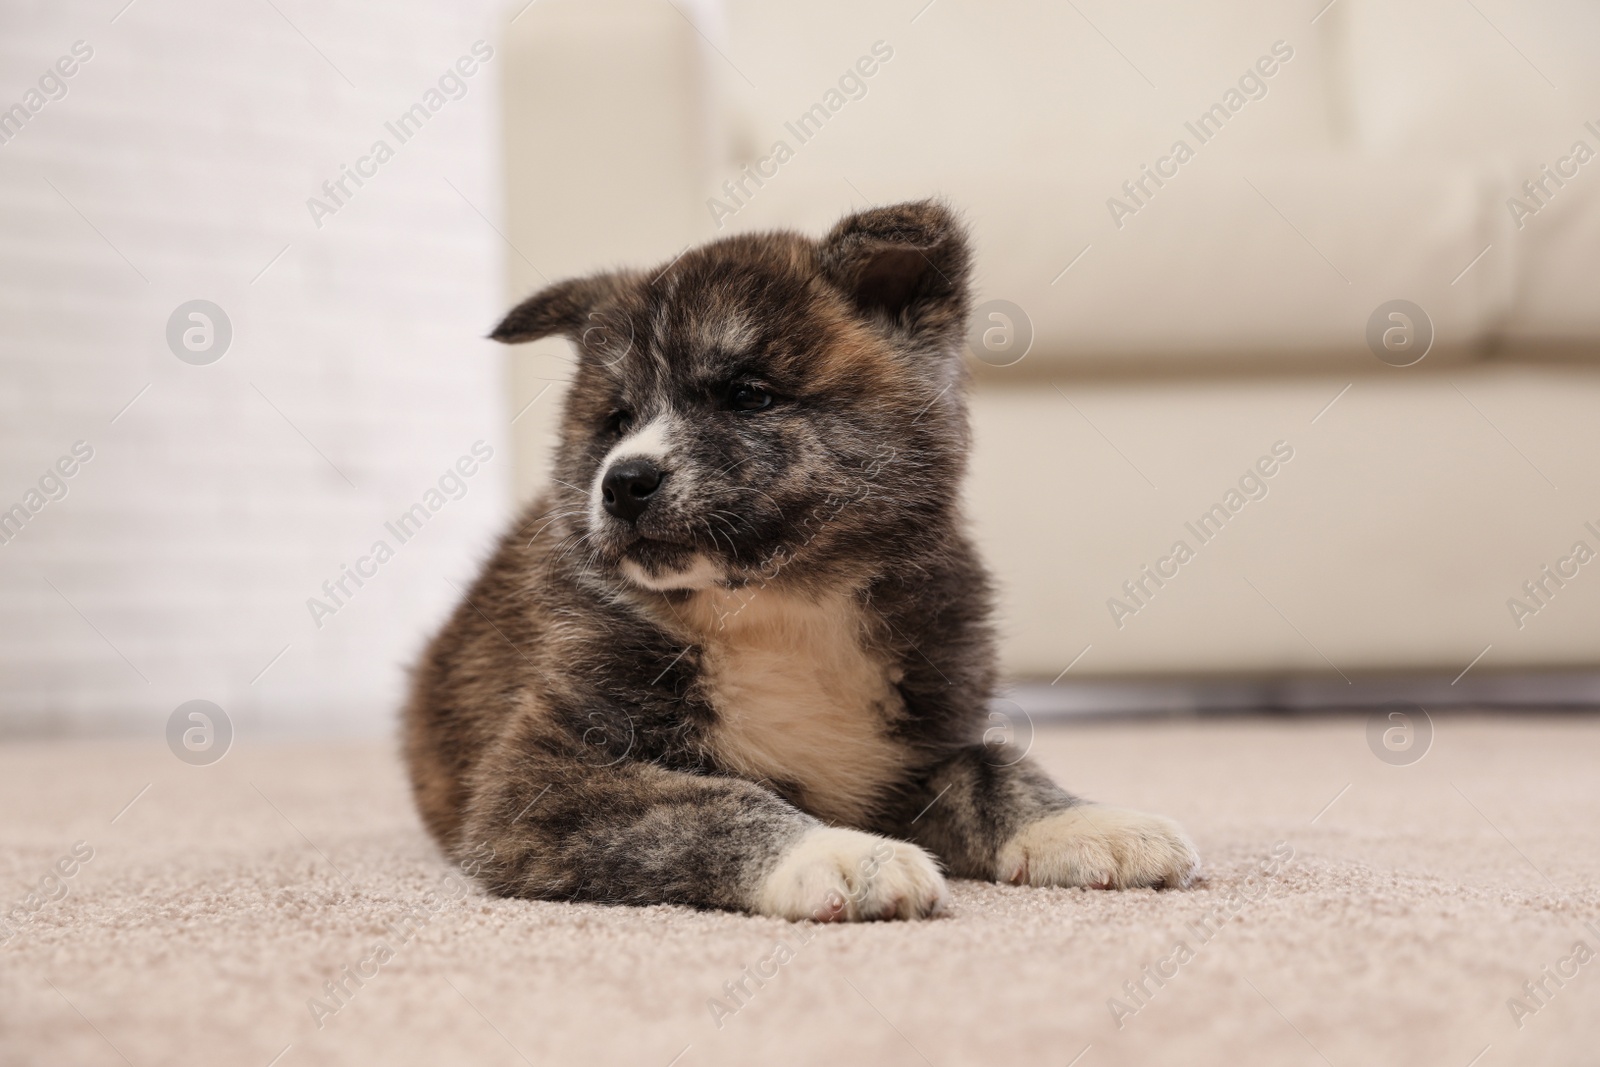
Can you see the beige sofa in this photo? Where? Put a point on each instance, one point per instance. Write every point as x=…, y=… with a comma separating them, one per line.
x=1189, y=317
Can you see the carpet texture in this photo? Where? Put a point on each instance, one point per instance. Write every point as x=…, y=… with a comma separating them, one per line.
x=1404, y=911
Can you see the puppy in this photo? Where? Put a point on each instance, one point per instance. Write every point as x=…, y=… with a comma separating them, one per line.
x=739, y=656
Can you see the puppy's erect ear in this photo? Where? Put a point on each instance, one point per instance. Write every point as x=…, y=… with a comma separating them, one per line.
x=581, y=309
x=906, y=264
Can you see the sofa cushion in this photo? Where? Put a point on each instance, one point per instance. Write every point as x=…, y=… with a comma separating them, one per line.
x=1239, y=260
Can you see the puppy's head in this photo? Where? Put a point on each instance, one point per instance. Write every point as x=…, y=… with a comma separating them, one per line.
x=765, y=406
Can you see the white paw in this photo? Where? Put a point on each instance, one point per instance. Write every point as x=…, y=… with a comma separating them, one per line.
x=832, y=874
x=1103, y=848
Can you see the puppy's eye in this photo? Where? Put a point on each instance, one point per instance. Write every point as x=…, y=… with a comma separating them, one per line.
x=618, y=423
x=749, y=396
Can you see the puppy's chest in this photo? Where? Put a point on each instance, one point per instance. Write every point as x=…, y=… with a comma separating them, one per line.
x=802, y=701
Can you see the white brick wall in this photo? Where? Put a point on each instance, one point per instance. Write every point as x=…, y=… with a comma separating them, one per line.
x=178, y=166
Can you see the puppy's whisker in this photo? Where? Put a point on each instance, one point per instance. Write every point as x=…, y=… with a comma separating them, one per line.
x=734, y=465
x=572, y=544
x=547, y=526
x=723, y=518
x=710, y=532
x=551, y=515
x=748, y=489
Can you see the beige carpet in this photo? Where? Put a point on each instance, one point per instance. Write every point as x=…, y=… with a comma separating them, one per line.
x=1416, y=905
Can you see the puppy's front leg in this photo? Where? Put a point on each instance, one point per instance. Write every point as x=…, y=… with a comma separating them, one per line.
x=636, y=833
x=1008, y=822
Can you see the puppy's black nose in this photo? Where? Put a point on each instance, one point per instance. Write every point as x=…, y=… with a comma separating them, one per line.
x=628, y=487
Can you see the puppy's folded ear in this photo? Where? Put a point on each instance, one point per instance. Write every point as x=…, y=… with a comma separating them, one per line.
x=584, y=310
x=905, y=266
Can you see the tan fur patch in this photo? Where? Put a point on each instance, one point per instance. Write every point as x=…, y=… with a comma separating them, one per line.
x=856, y=356
x=798, y=696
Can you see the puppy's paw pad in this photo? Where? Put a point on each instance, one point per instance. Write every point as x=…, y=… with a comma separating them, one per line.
x=1101, y=848
x=832, y=874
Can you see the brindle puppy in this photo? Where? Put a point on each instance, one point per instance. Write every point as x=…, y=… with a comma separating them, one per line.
x=740, y=655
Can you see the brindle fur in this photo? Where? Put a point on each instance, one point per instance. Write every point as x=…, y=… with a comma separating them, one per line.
x=563, y=724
